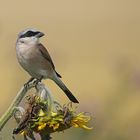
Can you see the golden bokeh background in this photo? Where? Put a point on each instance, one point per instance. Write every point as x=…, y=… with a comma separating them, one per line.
x=95, y=45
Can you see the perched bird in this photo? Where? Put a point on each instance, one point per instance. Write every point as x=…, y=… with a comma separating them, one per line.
x=35, y=59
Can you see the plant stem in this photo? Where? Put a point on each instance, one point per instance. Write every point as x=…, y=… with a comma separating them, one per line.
x=45, y=136
x=9, y=113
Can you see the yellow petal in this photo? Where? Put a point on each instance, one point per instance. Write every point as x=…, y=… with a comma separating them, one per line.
x=41, y=113
x=75, y=125
x=23, y=133
x=81, y=120
x=40, y=127
x=53, y=114
x=85, y=127
x=55, y=126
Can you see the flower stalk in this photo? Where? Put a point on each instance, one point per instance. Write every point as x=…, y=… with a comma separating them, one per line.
x=10, y=111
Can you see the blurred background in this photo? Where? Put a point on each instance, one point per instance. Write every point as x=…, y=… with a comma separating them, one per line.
x=95, y=45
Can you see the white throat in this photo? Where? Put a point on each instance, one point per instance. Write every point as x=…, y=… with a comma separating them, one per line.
x=28, y=41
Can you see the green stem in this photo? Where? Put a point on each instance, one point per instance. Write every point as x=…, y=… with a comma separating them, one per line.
x=9, y=113
x=45, y=136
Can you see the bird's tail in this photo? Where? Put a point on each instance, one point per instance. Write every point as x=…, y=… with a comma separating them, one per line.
x=58, y=81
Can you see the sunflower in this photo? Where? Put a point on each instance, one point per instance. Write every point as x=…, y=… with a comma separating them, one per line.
x=36, y=118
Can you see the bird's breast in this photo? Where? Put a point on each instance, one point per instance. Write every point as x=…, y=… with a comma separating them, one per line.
x=33, y=62
x=25, y=54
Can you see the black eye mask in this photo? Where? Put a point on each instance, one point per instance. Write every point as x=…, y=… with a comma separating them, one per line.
x=29, y=34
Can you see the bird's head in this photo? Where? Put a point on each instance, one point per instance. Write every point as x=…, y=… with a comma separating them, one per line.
x=29, y=36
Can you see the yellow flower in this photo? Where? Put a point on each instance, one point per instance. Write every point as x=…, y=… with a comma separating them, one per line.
x=57, y=120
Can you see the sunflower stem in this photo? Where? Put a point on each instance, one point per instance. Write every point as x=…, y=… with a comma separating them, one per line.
x=9, y=113
x=45, y=136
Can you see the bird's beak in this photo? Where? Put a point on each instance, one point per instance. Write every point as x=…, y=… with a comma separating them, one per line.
x=40, y=34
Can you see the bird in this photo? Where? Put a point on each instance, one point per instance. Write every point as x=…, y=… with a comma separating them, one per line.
x=35, y=59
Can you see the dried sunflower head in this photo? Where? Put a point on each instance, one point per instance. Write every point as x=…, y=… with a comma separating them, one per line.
x=37, y=119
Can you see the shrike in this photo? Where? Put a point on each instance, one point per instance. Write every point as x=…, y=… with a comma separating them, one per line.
x=35, y=59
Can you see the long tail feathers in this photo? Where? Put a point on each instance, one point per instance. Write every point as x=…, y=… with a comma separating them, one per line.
x=65, y=89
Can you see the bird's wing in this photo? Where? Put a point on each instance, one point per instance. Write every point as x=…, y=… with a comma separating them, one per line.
x=46, y=55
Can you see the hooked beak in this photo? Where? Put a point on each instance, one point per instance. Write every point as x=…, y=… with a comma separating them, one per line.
x=40, y=34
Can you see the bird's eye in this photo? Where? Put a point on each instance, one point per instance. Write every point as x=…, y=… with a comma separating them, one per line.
x=29, y=34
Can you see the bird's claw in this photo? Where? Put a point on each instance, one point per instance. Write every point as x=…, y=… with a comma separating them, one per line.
x=37, y=81
x=26, y=85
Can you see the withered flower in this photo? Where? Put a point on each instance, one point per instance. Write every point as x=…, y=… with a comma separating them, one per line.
x=36, y=118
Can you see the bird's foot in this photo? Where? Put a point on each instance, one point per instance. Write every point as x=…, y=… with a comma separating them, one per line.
x=37, y=81
x=26, y=85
